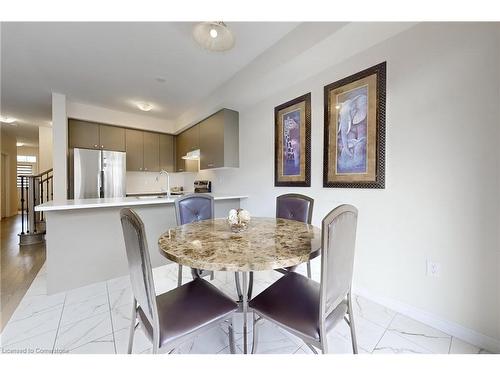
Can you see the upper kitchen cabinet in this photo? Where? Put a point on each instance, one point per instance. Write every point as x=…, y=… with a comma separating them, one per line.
x=111, y=138
x=151, y=152
x=83, y=134
x=135, y=149
x=219, y=140
x=167, y=160
x=185, y=142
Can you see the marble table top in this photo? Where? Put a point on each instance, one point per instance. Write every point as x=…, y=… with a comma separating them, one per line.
x=267, y=243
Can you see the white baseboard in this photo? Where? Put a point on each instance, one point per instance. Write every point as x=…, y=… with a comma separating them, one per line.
x=463, y=333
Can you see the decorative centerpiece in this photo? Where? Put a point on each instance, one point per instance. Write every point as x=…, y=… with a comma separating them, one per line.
x=238, y=220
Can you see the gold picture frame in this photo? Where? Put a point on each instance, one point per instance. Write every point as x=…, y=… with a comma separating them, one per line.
x=354, y=130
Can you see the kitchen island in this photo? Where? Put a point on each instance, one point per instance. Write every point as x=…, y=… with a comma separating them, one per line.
x=84, y=236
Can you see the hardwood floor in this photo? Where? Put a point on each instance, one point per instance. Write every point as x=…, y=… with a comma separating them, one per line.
x=18, y=267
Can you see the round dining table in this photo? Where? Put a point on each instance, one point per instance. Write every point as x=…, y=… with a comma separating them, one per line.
x=266, y=244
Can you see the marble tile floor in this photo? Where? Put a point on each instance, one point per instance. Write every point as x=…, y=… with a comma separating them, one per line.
x=95, y=319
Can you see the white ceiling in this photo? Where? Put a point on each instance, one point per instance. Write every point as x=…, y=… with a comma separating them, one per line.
x=114, y=64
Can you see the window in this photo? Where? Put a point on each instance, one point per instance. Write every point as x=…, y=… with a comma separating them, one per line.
x=23, y=170
x=26, y=159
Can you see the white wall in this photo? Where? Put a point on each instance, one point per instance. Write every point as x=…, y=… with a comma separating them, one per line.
x=442, y=171
x=60, y=146
x=44, y=148
x=109, y=116
x=146, y=182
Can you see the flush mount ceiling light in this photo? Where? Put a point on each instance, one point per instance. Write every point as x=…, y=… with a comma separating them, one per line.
x=7, y=120
x=214, y=36
x=144, y=106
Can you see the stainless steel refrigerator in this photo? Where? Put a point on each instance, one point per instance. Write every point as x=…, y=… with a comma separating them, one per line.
x=98, y=173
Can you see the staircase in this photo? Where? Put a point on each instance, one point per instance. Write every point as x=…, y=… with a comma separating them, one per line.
x=35, y=190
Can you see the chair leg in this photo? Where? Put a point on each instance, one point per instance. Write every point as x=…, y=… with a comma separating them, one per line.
x=133, y=326
x=232, y=348
x=255, y=339
x=250, y=286
x=179, y=276
x=351, y=324
x=313, y=349
x=238, y=286
x=309, y=269
x=195, y=273
x=212, y=275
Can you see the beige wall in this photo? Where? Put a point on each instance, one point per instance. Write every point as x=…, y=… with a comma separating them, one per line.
x=442, y=173
x=9, y=148
x=44, y=148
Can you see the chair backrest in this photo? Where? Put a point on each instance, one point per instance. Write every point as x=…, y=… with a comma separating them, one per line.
x=194, y=207
x=338, y=240
x=139, y=263
x=295, y=207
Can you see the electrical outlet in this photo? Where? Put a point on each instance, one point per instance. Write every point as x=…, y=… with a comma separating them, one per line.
x=433, y=268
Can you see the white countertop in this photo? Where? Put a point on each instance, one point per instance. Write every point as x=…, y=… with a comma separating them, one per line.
x=76, y=204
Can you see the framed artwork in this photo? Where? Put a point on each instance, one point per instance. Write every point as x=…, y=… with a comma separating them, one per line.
x=292, y=142
x=354, y=134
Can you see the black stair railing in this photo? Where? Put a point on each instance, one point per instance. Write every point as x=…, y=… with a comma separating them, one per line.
x=35, y=190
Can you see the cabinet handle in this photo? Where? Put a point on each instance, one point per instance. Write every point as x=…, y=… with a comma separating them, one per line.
x=210, y=164
x=145, y=169
x=102, y=146
x=140, y=169
x=95, y=146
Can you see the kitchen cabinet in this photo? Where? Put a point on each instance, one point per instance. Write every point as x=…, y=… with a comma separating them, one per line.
x=91, y=135
x=167, y=160
x=219, y=140
x=134, y=146
x=83, y=134
x=185, y=142
x=151, y=158
x=111, y=138
x=146, y=151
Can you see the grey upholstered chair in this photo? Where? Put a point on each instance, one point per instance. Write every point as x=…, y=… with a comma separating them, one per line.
x=189, y=209
x=173, y=317
x=309, y=309
x=295, y=207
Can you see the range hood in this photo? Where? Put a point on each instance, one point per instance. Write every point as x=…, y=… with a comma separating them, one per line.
x=192, y=155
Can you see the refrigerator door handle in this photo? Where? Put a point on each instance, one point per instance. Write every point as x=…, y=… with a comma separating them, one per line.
x=101, y=187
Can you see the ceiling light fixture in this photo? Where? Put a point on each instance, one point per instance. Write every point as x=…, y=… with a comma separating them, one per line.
x=214, y=36
x=7, y=120
x=146, y=107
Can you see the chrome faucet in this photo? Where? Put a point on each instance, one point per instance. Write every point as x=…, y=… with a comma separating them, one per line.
x=164, y=172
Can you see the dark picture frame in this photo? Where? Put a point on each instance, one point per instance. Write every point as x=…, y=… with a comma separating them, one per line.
x=354, y=130
x=292, y=143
